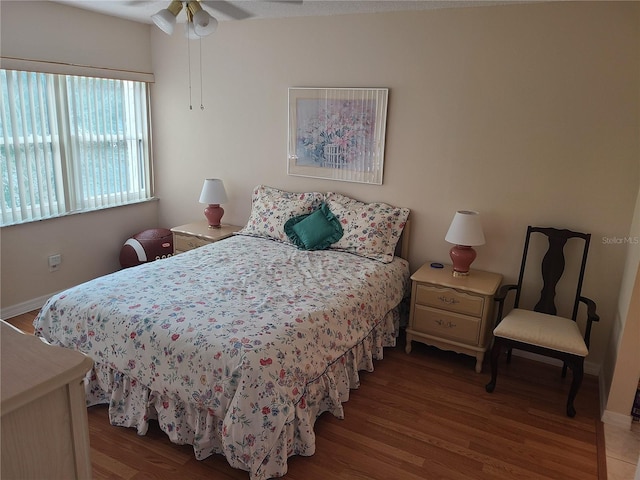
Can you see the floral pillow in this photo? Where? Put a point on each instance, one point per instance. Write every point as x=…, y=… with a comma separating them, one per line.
x=371, y=230
x=271, y=208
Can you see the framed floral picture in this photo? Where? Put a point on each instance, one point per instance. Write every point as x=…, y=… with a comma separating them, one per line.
x=337, y=133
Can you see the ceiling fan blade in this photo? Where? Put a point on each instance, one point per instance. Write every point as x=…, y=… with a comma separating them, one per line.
x=227, y=9
x=136, y=3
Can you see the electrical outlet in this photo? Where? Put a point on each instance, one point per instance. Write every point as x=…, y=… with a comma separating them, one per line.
x=54, y=262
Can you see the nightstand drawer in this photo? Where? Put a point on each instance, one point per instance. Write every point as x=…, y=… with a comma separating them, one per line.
x=183, y=243
x=446, y=325
x=450, y=300
x=198, y=234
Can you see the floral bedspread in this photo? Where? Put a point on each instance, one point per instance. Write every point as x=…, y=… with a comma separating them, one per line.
x=225, y=345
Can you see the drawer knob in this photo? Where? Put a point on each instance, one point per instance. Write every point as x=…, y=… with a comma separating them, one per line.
x=448, y=300
x=448, y=324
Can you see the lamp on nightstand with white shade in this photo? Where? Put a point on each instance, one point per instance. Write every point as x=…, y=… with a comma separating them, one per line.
x=213, y=194
x=465, y=232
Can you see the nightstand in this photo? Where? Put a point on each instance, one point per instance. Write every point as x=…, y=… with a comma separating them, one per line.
x=452, y=313
x=194, y=235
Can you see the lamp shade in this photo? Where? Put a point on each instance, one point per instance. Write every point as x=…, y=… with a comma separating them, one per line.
x=213, y=192
x=466, y=229
x=204, y=24
x=465, y=232
x=165, y=19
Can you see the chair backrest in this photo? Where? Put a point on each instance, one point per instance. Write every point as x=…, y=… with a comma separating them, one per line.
x=553, y=265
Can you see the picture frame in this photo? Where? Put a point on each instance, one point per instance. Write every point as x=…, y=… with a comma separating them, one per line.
x=337, y=133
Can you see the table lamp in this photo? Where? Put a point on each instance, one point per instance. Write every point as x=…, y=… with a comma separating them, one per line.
x=465, y=232
x=213, y=194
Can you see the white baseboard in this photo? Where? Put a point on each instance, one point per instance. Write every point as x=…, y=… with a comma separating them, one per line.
x=590, y=368
x=617, y=419
x=24, y=307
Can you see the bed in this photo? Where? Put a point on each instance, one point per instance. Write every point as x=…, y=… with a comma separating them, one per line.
x=238, y=346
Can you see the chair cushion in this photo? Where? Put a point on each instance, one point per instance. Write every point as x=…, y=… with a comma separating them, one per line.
x=548, y=331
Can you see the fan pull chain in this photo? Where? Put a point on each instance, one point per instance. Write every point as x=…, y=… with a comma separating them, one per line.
x=189, y=63
x=201, y=105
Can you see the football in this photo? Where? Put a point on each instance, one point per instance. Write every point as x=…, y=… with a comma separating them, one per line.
x=146, y=246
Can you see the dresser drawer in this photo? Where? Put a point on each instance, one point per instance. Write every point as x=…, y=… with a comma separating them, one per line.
x=446, y=324
x=450, y=299
x=183, y=243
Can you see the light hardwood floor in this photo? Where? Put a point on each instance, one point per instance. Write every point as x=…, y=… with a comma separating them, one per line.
x=623, y=451
x=420, y=416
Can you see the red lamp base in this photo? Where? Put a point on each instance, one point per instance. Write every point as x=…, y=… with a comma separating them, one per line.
x=214, y=215
x=462, y=257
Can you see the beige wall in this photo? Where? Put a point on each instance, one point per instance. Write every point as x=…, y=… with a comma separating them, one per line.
x=621, y=365
x=624, y=371
x=527, y=113
x=43, y=30
x=619, y=396
x=89, y=243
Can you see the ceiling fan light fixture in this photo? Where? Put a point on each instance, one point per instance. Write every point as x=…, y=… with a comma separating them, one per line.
x=165, y=19
x=190, y=32
x=203, y=23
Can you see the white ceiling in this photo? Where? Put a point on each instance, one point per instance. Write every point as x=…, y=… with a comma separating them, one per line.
x=141, y=10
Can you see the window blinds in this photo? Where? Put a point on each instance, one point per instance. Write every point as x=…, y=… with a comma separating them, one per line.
x=71, y=144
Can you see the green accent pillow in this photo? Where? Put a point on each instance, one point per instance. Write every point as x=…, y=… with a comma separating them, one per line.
x=314, y=231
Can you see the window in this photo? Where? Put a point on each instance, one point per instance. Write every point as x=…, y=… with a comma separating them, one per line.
x=71, y=144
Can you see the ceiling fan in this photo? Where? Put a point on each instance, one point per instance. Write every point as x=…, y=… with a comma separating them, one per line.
x=200, y=22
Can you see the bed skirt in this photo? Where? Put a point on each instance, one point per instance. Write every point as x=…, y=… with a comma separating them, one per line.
x=132, y=404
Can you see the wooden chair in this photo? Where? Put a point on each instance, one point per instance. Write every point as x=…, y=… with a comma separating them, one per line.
x=541, y=331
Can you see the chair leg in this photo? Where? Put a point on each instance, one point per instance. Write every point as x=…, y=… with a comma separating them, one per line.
x=564, y=369
x=578, y=373
x=509, y=355
x=495, y=356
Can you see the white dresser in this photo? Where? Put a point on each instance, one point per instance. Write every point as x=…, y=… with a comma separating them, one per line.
x=45, y=433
